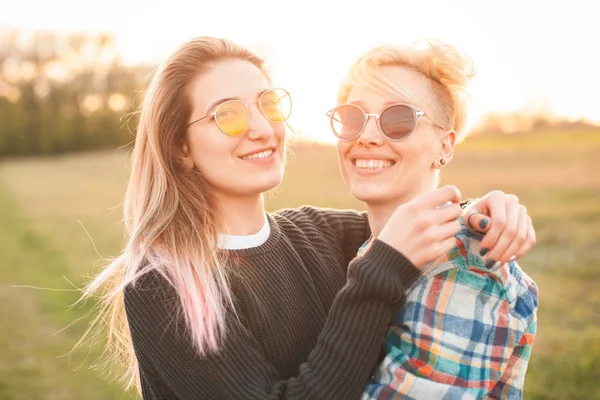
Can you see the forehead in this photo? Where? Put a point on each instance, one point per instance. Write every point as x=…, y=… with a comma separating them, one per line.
x=227, y=79
x=410, y=87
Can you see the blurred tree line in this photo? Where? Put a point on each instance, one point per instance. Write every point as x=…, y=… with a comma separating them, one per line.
x=71, y=92
x=64, y=93
x=524, y=122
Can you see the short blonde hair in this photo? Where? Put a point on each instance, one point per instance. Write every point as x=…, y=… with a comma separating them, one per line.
x=446, y=68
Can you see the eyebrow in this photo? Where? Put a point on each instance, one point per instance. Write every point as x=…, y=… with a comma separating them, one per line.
x=390, y=102
x=223, y=100
x=220, y=101
x=387, y=103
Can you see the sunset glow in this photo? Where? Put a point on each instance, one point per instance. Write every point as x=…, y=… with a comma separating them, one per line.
x=535, y=55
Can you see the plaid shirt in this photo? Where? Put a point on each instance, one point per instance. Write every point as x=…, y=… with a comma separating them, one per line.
x=465, y=332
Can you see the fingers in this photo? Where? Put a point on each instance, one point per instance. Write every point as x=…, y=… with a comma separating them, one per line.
x=449, y=229
x=439, y=249
x=446, y=245
x=441, y=233
x=497, y=213
x=448, y=213
x=519, y=238
x=529, y=241
x=507, y=234
x=442, y=239
x=442, y=195
x=477, y=222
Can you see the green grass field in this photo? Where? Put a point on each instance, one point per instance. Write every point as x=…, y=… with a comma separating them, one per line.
x=47, y=205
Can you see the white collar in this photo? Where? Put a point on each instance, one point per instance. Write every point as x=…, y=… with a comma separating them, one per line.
x=239, y=242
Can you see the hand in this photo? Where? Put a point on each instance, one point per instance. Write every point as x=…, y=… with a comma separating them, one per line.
x=422, y=230
x=510, y=232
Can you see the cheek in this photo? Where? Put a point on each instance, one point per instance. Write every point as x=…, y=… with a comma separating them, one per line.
x=280, y=131
x=345, y=163
x=342, y=149
x=415, y=154
x=281, y=135
x=211, y=150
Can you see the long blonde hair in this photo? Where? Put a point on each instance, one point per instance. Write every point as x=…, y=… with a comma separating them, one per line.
x=172, y=220
x=447, y=69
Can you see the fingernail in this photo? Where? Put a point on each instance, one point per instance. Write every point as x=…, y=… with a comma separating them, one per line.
x=513, y=258
x=484, y=223
x=484, y=251
x=490, y=264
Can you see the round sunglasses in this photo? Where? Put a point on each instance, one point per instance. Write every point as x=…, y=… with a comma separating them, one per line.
x=233, y=116
x=396, y=122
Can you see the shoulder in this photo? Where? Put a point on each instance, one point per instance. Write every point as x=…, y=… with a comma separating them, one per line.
x=150, y=292
x=319, y=215
x=464, y=256
x=322, y=221
x=465, y=267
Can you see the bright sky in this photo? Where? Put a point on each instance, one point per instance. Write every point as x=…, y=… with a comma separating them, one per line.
x=525, y=51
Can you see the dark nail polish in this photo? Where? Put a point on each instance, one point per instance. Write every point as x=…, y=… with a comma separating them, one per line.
x=484, y=251
x=490, y=264
x=484, y=223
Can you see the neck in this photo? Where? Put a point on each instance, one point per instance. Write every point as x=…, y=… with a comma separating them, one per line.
x=243, y=215
x=380, y=212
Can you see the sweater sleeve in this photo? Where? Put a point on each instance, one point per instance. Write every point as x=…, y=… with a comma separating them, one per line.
x=337, y=368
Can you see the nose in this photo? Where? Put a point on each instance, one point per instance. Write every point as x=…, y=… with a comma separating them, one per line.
x=371, y=136
x=259, y=127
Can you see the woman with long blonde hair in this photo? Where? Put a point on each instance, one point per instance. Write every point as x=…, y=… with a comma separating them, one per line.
x=212, y=297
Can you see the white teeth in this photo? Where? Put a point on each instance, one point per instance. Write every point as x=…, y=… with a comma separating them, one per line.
x=373, y=164
x=262, y=154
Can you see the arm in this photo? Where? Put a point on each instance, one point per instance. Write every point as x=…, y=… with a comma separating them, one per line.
x=347, y=229
x=513, y=379
x=357, y=320
x=455, y=337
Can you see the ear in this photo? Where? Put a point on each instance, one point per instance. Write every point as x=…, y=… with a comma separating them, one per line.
x=447, y=150
x=184, y=157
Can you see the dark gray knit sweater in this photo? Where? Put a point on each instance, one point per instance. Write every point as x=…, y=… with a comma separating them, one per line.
x=310, y=318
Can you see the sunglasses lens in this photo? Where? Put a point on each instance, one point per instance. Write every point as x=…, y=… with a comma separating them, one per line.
x=397, y=122
x=232, y=117
x=276, y=105
x=347, y=121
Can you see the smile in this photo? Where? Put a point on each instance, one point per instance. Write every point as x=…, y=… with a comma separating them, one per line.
x=373, y=164
x=262, y=154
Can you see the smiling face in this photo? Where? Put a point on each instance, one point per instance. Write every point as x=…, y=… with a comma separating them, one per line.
x=379, y=171
x=234, y=166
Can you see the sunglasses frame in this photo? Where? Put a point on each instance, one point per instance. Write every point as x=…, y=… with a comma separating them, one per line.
x=259, y=102
x=416, y=113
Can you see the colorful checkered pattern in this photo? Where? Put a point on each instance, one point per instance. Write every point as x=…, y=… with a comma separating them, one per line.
x=465, y=332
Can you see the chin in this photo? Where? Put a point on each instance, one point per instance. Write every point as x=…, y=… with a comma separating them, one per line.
x=370, y=193
x=267, y=181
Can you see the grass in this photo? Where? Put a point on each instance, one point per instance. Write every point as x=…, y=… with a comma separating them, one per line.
x=33, y=362
x=46, y=204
